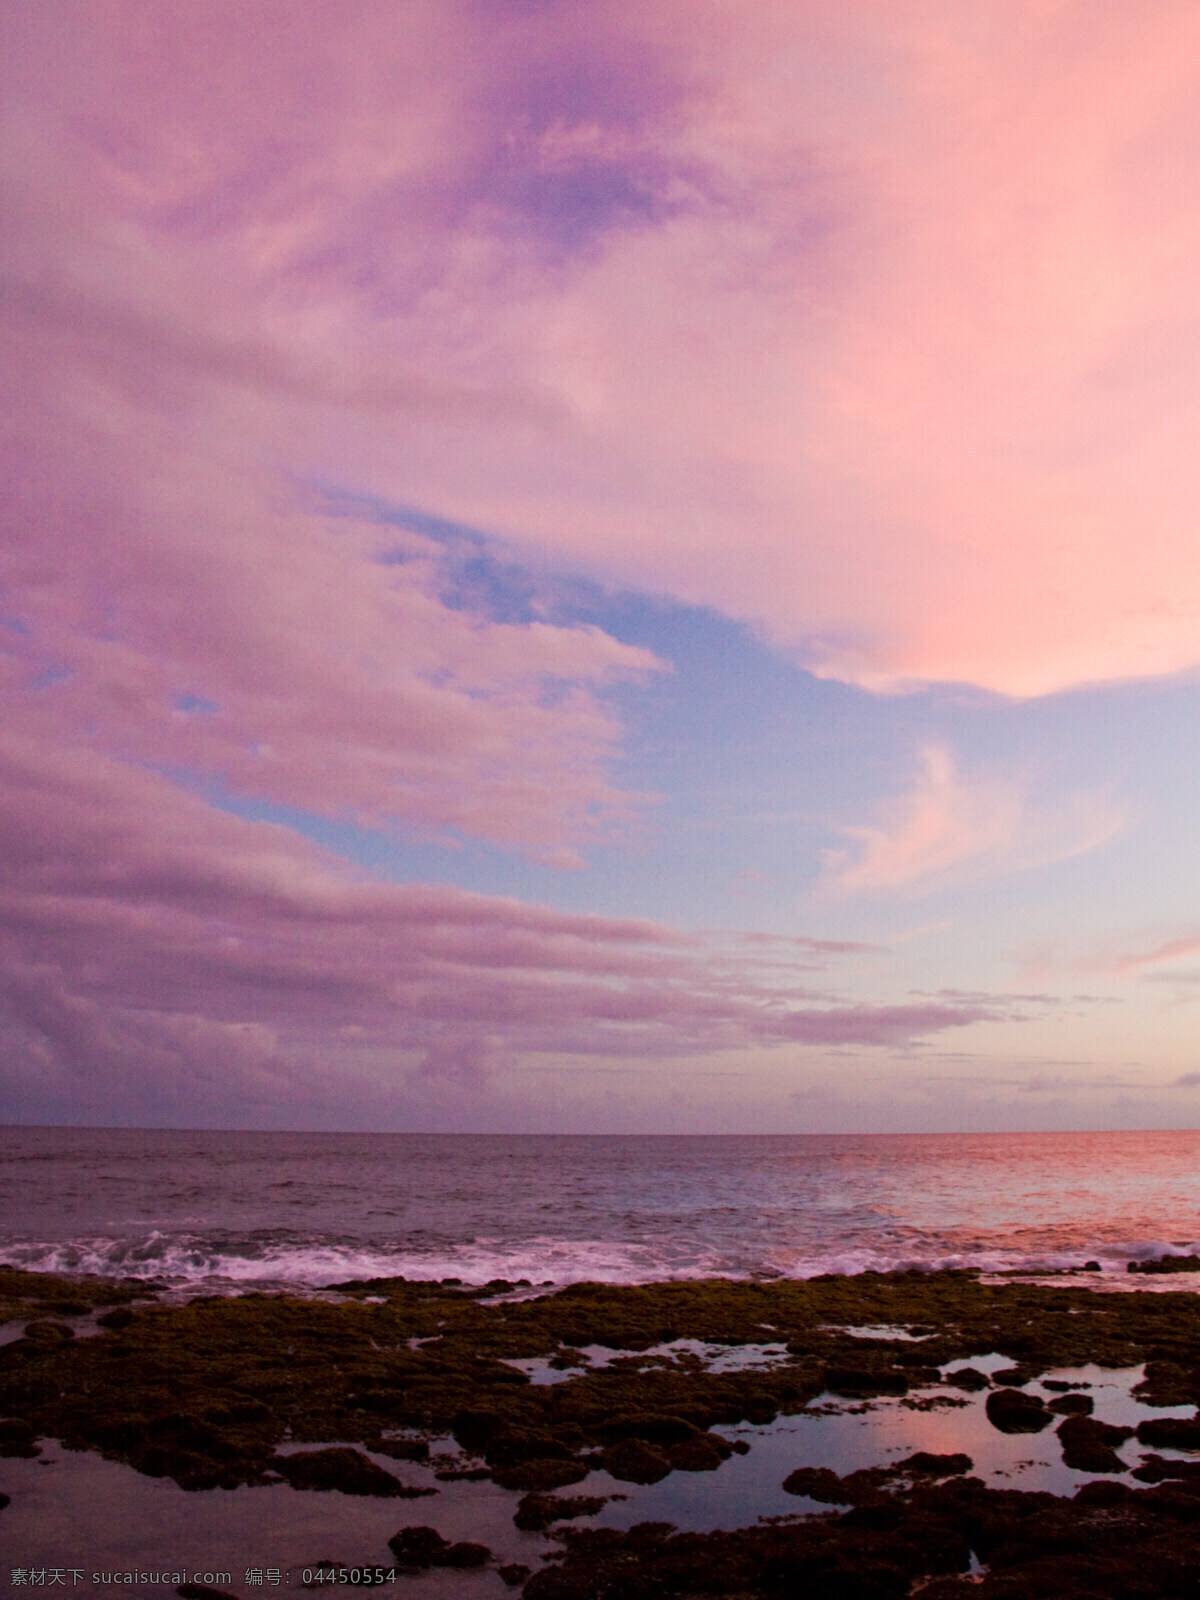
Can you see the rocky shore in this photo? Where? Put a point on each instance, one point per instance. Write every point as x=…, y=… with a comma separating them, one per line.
x=221, y=1392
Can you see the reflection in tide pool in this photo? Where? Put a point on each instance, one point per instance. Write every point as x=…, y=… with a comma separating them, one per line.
x=846, y=1436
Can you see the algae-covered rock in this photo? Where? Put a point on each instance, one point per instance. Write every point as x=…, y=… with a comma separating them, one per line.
x=636, y=1461
x=541, y=1474
x=536, y=1512
x=17, y=1438
x=1170, y=1433
x=1069, y=1405
x=1087, y=1444
x=1014, y=1411
x=348, y=1471
x=419, y=1548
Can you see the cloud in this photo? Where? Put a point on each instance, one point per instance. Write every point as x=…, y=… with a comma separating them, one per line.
x=948, y=828
x=154, y=949
x=1128, y=966
x=869, y=325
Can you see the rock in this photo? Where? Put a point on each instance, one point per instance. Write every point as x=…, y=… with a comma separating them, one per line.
x=117, y=1319
x=536, y=1512
x=1014, y=1411
x=818, y=1483
x=48, y=1333
x=348, y=1471
x=1170, y=1433
x=969, y=1378
x=1167, y=1263
x=1087, y=1445
x=548, y=1473
x=18, y=1438
x=402, y=1449
x=855, y=1383
x=1157, y=1469
x=926, y=1463
x=704, y=1452
x=652, y=1426
x=513, y=1573
x=1072, y=1405
x=423, y=1547
x=418, y=1547
x=636, y=1461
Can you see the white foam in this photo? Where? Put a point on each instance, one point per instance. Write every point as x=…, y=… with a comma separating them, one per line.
x=183, y=1259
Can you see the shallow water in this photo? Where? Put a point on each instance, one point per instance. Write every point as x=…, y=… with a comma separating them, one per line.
x=79, y=1511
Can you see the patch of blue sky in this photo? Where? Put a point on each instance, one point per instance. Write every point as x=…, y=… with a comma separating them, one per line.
x=195, y=705
x=760, y=768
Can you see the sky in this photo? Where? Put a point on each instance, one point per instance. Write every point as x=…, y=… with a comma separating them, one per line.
x=579, y=566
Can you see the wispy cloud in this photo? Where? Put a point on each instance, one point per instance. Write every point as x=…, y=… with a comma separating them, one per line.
x=949, y=828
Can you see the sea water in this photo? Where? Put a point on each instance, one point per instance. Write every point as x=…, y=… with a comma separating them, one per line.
x=228, y=1210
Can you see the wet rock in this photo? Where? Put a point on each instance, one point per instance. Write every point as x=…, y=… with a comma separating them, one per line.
x=926, y=1463
x=968, y=1378
x=653, y=1427
x=419, y=1548
x=48, y=1333
x=402, y=1449
x=550, y=1473
x=537, y=1511
x=855, y=1383
x=1167, y=1263
x=1072, y=1405
x=703, y=1452
x=1014, y=1411
x=348, y=1471
x=17, y=1438
x=115, y=1320
x=1170, y=1433
x=636, y=1461
x=1158, y=1469
x=1087, y=1445
x=818, y=1483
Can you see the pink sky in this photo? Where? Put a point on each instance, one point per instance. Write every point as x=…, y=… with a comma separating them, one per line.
x=873, y=328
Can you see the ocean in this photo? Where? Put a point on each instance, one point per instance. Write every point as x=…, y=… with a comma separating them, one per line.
x=230, y=1210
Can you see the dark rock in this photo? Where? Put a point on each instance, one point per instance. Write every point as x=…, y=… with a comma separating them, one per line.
x=1092, y=1266
x=4, y=1501
x=635, y=1461
x=1087, y=1445
x=339, y=1468
x=17, y=1438
x=117, y=1319
x=924, y=1462
x=1158, y=1469
x=818, y=1483
x=1072, y=1405
x=48, y=1333
x=858, y=1383
x=402, y=1449
x=1167, y=1263
x=418, y=1547
x=703, y=1452
x=969, y=1378
x=537, y=1511
x=551, y=1473
x=1014, y=1411
x=648, y=1425
x=1170, y=1433
x=423, y=1547
x=513, y=1573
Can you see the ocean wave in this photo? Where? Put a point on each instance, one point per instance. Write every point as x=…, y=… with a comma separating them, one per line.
x=190, y=1259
